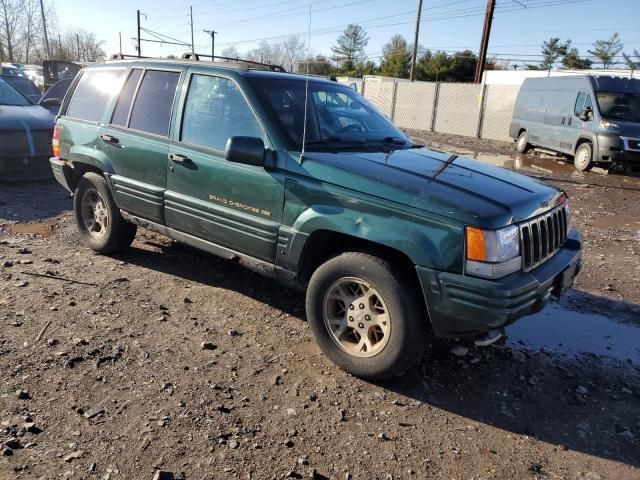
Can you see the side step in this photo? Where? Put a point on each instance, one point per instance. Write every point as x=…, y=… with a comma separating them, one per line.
x=546, y=152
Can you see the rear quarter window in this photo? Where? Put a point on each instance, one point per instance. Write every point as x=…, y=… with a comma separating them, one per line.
x=92, y=94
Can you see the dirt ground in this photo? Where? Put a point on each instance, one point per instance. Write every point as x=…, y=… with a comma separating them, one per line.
x=168, y=359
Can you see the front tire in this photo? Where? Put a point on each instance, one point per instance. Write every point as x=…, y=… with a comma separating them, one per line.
x=365, y=316
x=98, y=218
x=522, y=144
x=583, y=159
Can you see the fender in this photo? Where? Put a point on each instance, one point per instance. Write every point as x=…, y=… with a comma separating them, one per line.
x=428, y=242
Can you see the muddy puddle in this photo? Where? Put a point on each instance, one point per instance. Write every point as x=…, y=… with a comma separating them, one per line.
x=558, y=329
x=38, y=228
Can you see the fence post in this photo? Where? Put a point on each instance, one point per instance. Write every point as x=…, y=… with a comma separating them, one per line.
x=394, y=92
x=436, y=98
x=364, y=81
x=483, y=97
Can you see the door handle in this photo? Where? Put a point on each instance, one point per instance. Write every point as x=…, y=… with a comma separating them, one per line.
x=109, y=139
x=179, y=158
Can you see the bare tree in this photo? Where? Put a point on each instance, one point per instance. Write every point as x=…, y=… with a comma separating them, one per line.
x=231, y=52
x=10, y=17
x=292, y=50
x=30, y=26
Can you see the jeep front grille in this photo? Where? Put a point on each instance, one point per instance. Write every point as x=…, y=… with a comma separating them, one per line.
x=542, y=237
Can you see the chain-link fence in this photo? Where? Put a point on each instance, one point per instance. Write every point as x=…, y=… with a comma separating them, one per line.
x=471, y=110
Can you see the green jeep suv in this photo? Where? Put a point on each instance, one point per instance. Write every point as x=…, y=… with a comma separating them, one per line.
x=392, y=242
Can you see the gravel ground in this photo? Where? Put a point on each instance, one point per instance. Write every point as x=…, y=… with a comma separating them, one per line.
x=166, y=359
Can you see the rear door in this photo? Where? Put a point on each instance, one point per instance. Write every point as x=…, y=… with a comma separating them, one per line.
x=136, y=140
x=239, y=206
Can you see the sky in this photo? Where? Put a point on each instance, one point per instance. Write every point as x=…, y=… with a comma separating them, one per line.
x=519, y=26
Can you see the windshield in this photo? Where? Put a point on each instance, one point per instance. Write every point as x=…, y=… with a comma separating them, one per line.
x=10, y=96
x=619, y=105
x=337, y=116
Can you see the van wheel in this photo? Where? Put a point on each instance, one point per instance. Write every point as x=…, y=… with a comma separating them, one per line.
x=583, y=159
x=98, y=218
x=522, y=144
x=363, y=316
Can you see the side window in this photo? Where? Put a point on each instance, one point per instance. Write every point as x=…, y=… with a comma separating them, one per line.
x=152, y=108
x=92, y=93
x=579, y=103
x=588, y=103
x=121, y=112
x=214, y=111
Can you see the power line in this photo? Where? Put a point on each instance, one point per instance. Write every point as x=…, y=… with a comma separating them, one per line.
x=445, y=16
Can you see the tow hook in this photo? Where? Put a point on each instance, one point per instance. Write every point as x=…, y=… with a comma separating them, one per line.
x=489, y=338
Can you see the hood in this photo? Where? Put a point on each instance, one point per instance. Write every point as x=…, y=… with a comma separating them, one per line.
x=34, y=117
x=440, y=183
x=626, y=128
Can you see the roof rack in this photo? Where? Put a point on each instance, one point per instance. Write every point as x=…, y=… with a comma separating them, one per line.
x=195, y=57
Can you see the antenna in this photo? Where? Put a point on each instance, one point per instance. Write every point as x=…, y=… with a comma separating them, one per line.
x=306, y=89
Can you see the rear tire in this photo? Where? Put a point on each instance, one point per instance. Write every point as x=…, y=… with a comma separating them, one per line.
x=583, y=159
x=366, y=316
x=522, y=144
x=98, y=218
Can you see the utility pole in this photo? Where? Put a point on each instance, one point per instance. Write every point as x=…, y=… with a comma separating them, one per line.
x=484, y=42
x=44, y=25
x=120, y=39
x=414, y=54
x=139, y=48
x=213, y=43
x=193, y=47
x=78, y=46
x=60, y=52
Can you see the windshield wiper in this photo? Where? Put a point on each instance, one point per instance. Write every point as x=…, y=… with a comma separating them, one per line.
x=335, y=141
x=392, y=140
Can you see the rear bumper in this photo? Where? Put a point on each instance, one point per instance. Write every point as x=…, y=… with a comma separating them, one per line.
x=62, y=172
x=461, y=305
x=20, y=169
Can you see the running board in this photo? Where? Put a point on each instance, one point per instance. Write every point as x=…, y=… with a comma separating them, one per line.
x=548, y=152
x=254, y=264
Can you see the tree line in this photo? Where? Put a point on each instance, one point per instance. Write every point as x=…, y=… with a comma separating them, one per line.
x=604, y=53
x=348, y=57
x=22, y=36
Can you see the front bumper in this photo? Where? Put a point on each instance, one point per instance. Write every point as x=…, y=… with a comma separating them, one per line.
x=616, y=149
x=461, y=305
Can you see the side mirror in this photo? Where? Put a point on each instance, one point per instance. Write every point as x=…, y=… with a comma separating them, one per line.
x=51, y=102
x=247, y=150
x=586, y=114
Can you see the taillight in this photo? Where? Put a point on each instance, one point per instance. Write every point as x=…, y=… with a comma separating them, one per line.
x=55, y=141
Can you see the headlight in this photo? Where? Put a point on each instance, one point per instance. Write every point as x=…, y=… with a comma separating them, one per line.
x=609, y=126
x=493, y=253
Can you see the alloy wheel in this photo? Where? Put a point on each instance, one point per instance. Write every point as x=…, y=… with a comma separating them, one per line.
x=357, y=317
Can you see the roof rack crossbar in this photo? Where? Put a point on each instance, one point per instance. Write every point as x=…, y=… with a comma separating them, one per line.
x=192, y=56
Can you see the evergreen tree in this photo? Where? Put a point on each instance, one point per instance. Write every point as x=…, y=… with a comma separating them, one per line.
x=607, y=50
x=396, y=58
x=552, y=50
x=349, y=47
x=573, y=61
